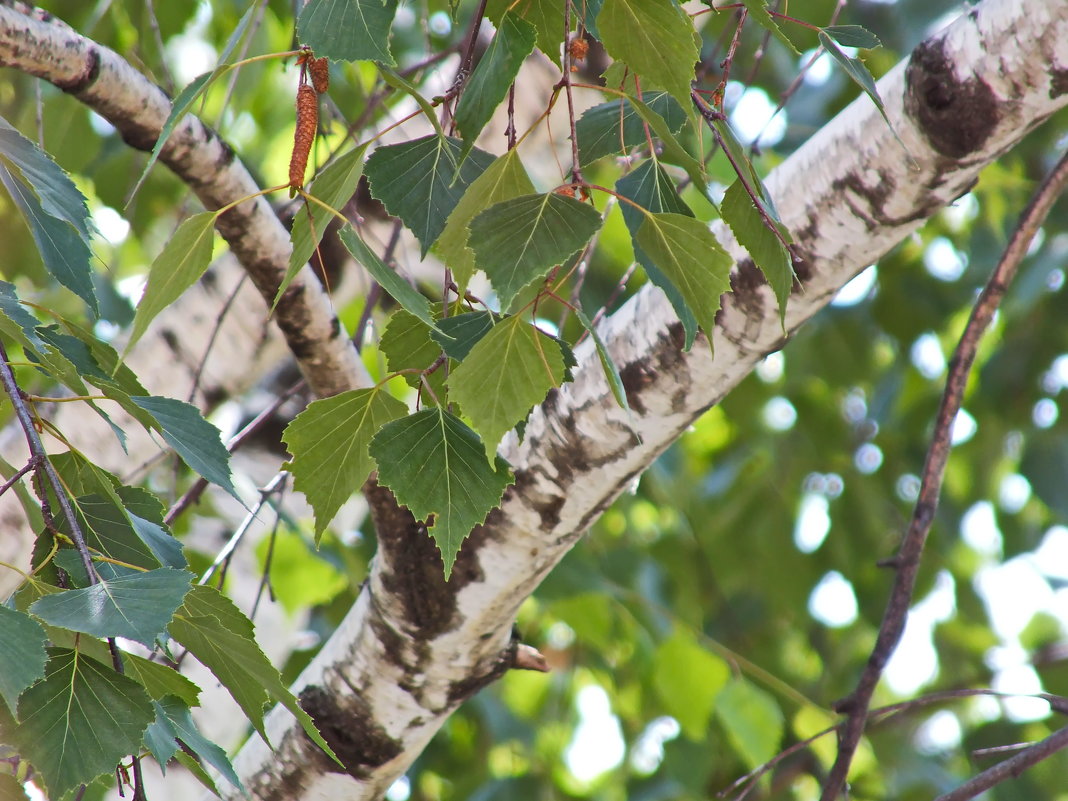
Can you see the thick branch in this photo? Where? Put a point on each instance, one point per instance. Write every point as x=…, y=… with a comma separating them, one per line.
x=36, y=43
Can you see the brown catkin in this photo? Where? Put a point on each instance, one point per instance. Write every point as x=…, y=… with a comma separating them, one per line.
x=307, y=122
x=319, y=68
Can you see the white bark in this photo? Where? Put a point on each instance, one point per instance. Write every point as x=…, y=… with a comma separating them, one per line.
x=412, y=648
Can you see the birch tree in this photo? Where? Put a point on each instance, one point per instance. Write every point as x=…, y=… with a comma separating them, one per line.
x=486, y=442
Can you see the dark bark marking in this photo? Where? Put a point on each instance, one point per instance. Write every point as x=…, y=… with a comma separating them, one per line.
x=350, y=730
x=460, y=691
x=746, y=284
x=80, y=83
x=957, y=116
x=635, y=377
x=1058, y=82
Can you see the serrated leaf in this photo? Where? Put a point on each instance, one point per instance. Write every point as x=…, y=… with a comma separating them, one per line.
x=673, y=151
x=193, y=438
x=348, y=30
x=752, y=720
x=410, y=299
x=175, y=721
x=64, y=251
x=759, y=12
x=80, y=721
x=616, y=127
x=766, y=249
x=178, y=266
x=688, y=679
x=421, y=181
x=25, y=324
x=504, y=179
x=546, y=17
x=651, y=188
x=611, y=372
x=333, y=186
x=856, y=70
x=406, y=342
x=853, y=36
x=158, y=679
x=518, y=241
x=56, y=192
x=692, y=259
x=437, y=466
x=329, y=440
x=656, y=40
x=137, y=606
x=496, y=70
x=465, y=331
x=509, y=371
x=23, y=657
x=108, y=529
x=217, y=634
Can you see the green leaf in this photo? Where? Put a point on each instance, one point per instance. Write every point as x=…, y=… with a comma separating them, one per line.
x=518, y=241
x=109, y=530
x=611, y=373
x=692, y=259
x=752, y=720
x=11, y=789
x=436, y=465
x=410, y=299
x=193, y=438
x=63, y=249
x=655, y=39
x=615, y=127
x=674, y=152
x=407, y=344
x=759, y=12
x=546, y=17
x=178, y=266
x=56, y=192
x=853, y=36
x=466, y=330
x=158, y=679
x=505, y=374
x=348, y=30
x=217, y=634
x=301, y=577
x=504, y=179
x=421, y=181
x=329, y=442
x=22, y=659
x=651, y=188
x=333, y=186
x=175, y=720
x=766, y=249
x=80, y=721
x=136, y=606
x=688, y=679
x=856, y=70
x=489, y=83
x=24, y=327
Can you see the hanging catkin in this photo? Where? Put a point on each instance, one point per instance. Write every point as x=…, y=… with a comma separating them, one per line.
x=307, y=122
x=319, y=68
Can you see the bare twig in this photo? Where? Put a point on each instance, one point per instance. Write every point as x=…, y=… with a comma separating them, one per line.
x=576, y=167
x=1010, y=768
x=907, y=560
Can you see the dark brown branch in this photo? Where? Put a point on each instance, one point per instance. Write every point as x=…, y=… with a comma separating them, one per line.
x=907, y=561
x=1010, y=768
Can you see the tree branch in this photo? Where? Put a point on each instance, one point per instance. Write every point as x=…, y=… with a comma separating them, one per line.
x=907, y=561
x=1010, y=768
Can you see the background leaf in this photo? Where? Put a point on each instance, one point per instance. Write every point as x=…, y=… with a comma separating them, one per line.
x=436, y=465
x=329, y=442
x=510, y=369
x=421, y=181
x=79, y=694
x=520, y=240
x=688, y=680
x=752, y=719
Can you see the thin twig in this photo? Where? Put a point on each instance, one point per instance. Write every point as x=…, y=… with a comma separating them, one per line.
x=40, y=457
x=30, y=465
x=1010, y=768
x=576, y=167
x=907, y=560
